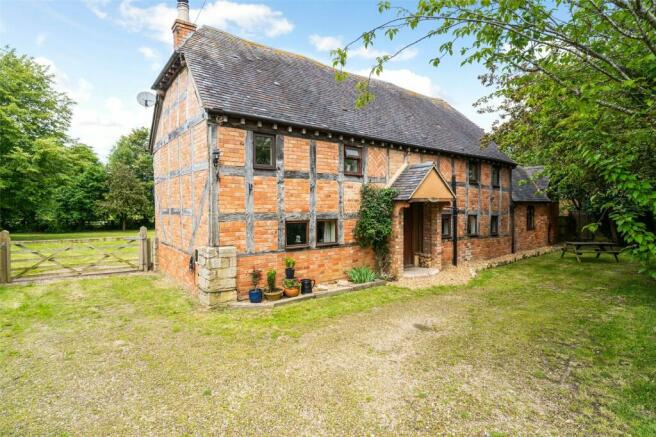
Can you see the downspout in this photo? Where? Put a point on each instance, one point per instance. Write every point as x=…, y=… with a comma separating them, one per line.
x=454, y=222
x=213, y=156
x=512, y=217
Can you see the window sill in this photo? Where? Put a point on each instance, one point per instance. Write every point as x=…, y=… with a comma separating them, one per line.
x=476, y=184
x=297, y=247
x=359, y=175
x=328, y=244
x=263, y=167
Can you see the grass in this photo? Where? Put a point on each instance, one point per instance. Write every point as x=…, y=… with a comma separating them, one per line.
x=30, y=236
x=544, y=346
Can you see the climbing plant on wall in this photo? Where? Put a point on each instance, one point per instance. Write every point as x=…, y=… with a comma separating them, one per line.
x=374, y=224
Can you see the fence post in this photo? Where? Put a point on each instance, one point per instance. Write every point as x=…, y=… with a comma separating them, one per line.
x=5, y=257
x=143, y=249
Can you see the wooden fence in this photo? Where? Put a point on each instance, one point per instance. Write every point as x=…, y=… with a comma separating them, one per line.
x=49, y=259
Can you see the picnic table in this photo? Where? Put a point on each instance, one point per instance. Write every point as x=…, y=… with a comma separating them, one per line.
x=598, y=247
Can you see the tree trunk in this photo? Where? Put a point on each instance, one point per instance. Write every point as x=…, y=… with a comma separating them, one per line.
x=124, y=223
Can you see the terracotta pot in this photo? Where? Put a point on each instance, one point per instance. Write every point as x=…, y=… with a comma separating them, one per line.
x=292, y=292
x=273, y=295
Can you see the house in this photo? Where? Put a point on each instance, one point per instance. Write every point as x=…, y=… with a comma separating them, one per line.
x=260, y=154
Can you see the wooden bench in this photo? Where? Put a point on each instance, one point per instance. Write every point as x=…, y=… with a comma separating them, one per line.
x=579, y=248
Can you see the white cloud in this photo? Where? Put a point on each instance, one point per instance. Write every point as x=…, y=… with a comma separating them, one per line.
x=409, y=80
x=101, y=125
x=148, y=53
x=325, y=43
x=97, y=7
x=328, y=43
x=40, y=39
x=97, y=123
x=79, y=90
x=246, y=18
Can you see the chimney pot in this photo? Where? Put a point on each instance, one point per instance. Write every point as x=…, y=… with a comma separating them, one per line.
x=182, y=27
x=183, y=10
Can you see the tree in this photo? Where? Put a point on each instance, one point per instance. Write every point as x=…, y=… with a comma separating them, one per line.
x=79, y=200
x=577, y=85
x=126, y=197
x=131, y=151
x=34, y=118
x=374, y=224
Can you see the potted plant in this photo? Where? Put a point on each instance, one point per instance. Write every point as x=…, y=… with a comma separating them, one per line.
x=255, y=293
x=289, y=268
x=291, y=287
x=272, y=293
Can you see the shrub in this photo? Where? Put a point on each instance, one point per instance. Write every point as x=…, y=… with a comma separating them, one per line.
x=290, y=283
x=374, y=224
x=360, y=275
x=256, y=276
x=271, y=279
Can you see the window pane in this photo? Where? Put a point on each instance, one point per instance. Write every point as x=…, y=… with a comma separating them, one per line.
x=351, y=165
x=263, y=150
x=296, y=233
x=472, y=225
x=473, y=172
x=446, y=225
x=495, y=175
x=352, y=152
x=494, y=225
x=326, y=231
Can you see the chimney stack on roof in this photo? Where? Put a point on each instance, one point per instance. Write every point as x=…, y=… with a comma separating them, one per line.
x=182, y=27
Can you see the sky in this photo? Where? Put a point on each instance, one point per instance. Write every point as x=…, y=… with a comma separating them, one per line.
x=102, y=53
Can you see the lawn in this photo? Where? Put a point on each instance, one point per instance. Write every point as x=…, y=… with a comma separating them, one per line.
x=542, y=346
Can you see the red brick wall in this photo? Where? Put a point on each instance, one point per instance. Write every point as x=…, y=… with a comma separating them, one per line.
x=180, y=162
x=546, y=222
x=322, y=265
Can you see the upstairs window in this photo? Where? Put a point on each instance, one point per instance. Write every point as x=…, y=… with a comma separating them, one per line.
x=264, y=151
x=474, y=171
x=326, y=232
x=353, y=161
x=494, y=225
x=296, y=234
x=530, y=218
x=472, y=225
x=495, y=176
x=446, y=226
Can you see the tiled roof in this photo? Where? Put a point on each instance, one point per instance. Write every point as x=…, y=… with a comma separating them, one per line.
x=235, y=76
x=410, y=178
x=528, y=185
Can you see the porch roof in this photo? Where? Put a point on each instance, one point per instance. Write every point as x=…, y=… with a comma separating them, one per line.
x=422, y=182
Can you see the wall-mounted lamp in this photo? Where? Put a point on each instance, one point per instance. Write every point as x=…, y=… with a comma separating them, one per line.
x=215, y=157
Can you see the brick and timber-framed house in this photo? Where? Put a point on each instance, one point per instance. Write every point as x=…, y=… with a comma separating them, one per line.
x=260, y=154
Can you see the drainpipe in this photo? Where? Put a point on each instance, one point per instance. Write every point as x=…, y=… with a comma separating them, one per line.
x=454, y=222
x=512, y=217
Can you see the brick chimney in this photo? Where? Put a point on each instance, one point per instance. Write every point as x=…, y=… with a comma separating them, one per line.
x=182, y=27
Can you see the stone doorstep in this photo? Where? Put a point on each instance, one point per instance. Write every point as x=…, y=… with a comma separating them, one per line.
x=245, y=304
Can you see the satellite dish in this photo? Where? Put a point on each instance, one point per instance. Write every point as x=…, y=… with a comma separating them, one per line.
x=146, y=99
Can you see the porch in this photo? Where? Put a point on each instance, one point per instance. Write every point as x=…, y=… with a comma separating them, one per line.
x=416, y=240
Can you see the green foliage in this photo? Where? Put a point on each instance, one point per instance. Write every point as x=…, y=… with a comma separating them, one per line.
x=290, y=263
x=374, y=224
x=360, y=275
x=34, y=156
x=576, y=84
x=126, y=198
x=130, y=179
x=291, y=283
x=256, y=276
x=271, y=279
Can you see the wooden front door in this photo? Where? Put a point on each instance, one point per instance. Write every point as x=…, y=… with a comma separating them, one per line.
x=413, y=220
